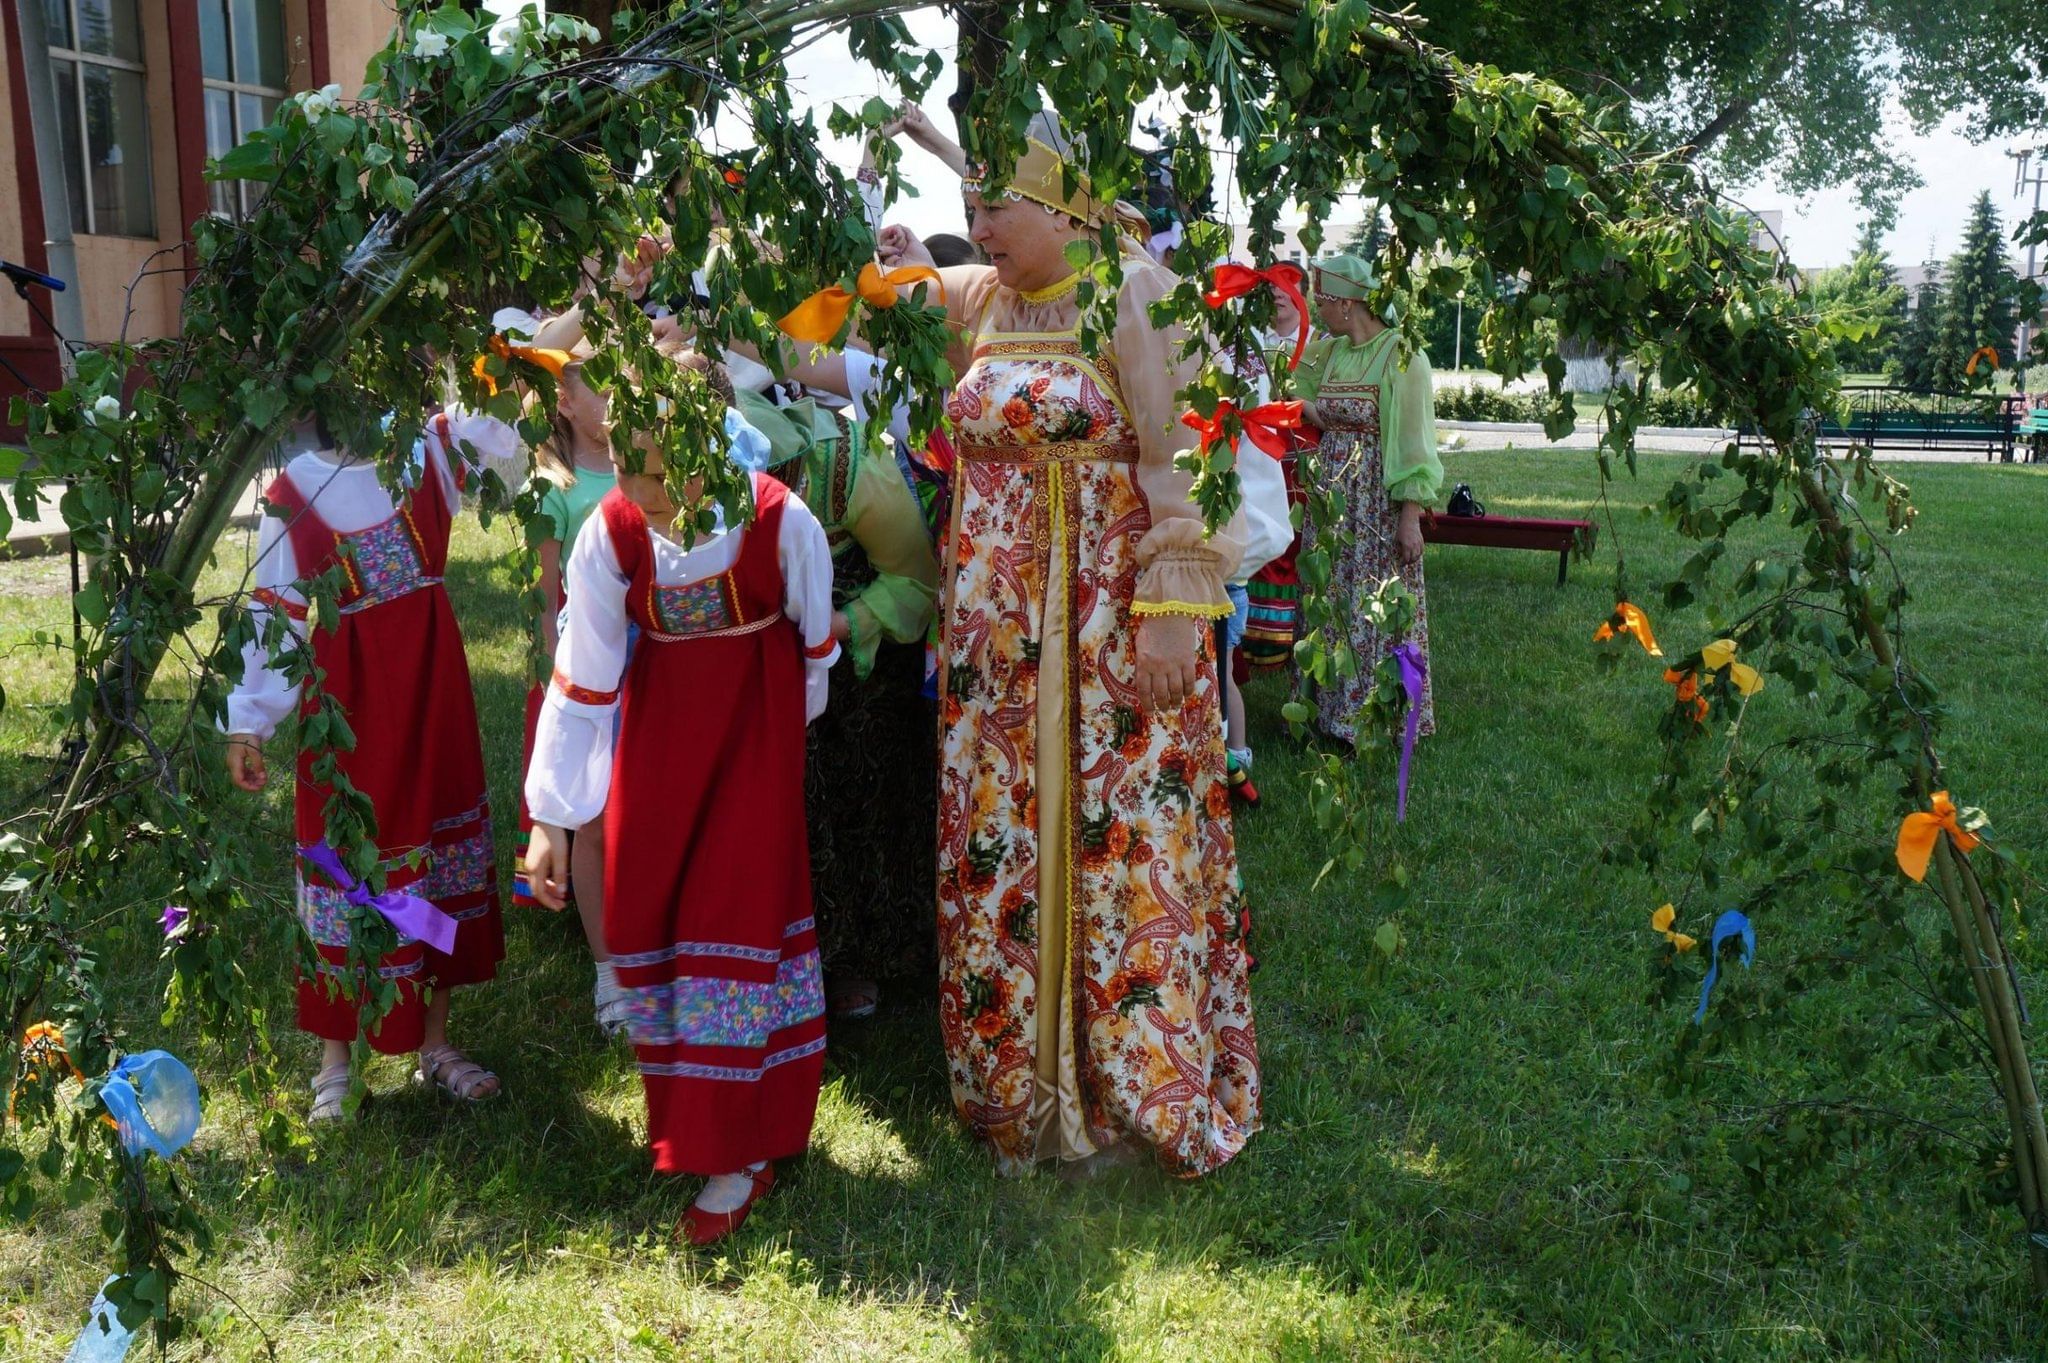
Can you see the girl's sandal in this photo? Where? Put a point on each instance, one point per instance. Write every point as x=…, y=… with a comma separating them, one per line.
x=612, y=1007
x=330, y=1093
x=854, y=1000
x=455, y=1074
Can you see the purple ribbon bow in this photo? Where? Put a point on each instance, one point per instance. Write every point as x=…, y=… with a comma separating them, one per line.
x=413, y=916
x=1413, y=670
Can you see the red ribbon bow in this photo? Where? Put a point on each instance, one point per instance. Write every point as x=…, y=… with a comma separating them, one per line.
x=1262, y=425
x=1235, y=281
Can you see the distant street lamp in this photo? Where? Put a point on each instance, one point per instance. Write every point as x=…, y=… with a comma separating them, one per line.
x=2021, y=180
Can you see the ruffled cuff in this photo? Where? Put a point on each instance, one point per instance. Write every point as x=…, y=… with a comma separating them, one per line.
x=1420, y=486
x=1182, y=571
x=863, y=638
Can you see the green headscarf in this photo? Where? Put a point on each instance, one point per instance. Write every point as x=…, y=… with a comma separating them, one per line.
x=1345, y=276
x=792, y=430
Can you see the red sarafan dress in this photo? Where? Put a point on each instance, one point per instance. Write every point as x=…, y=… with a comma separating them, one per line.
x=707, y=866
x=394, y=663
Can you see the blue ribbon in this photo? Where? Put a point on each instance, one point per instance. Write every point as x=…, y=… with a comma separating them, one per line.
x=1730, y=924
x=154, y=1100
x=745, y=444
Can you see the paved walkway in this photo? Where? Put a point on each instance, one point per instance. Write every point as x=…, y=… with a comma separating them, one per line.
x=47, y=533
x=1488, y=435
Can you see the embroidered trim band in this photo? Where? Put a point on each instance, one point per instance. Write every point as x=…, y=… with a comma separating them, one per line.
x=583, y=695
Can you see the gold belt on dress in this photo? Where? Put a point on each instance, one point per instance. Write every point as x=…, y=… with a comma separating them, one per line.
x=729, y=632
x=1053, y=452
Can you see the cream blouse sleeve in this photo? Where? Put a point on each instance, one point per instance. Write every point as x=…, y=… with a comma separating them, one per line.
x=969, y=289
x=1182, y=567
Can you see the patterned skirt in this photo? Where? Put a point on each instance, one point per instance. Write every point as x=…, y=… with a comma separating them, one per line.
x=870, y=795
x=1349, y=460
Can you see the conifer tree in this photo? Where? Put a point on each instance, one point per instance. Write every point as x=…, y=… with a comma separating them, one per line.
x=1980, y=303
x=1913, y=357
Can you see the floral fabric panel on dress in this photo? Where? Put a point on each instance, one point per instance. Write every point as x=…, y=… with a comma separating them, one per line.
x=1163, y=1035
x=696, y=608
x=708, y=1011
x=384, y=562
x=1043, y=394
x=1350, y=462
x=458, y=873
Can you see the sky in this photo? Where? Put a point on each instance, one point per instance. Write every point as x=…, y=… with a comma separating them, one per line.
x=1822, y=230
x=1819, y=231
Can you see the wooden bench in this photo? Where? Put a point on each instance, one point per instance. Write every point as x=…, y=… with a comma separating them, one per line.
x=2033, y=432
x=1511, y=532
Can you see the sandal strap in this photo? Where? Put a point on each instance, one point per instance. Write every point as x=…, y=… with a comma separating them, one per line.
x=453, y=1070
x=332, y=1078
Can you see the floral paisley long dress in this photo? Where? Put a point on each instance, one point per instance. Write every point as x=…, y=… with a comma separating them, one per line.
x=1377, y=449
x=1093, y=975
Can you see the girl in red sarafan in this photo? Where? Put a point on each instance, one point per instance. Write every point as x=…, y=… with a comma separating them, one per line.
x=707, y=900
x=394, y=663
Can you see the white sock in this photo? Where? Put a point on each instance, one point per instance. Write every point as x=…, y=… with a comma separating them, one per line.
x=1242, y=756
x=728, y=1192
x=607, y=981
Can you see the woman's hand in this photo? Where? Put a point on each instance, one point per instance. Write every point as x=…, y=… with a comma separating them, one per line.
x=912, y=122
x=1167, y=646
x=1408, y=535
x=245, y=762
x=899, y=246
x=668, y=329
x=842, y=628
x=547, y=866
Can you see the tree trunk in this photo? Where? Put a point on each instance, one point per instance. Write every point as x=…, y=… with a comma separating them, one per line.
x=977, y=56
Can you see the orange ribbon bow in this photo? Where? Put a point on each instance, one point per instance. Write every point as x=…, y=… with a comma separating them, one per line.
x=554, y=361
x=1262, y=425
x=1634, y=623
x=819, y=317
x=1980, y=353
x=1688, y=692
x=1919, y=830
x=1232, y=280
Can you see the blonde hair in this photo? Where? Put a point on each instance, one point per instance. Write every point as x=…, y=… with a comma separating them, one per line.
x=555, y=459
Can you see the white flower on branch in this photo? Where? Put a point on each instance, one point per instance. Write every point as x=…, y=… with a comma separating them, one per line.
x=431, y=44
x=571, y=29
x=319, y=103
x=105, y=408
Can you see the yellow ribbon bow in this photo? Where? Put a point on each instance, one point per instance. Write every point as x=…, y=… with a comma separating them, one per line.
x=819, y=317
x=1661, y=921
x=1634, y=623
x=1919, y=830
x=1720, y=654
x=554, y=361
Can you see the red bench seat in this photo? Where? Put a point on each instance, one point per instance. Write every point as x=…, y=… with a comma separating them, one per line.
x=1511, y=532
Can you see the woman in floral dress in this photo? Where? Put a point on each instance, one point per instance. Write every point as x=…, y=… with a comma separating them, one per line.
x=1377, y=417
x=1093, y=978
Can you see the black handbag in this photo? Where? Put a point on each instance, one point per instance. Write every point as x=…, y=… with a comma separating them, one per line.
x=1463, y=503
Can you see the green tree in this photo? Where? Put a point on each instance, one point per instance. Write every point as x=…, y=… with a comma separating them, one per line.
x=1796, y=87
x=1981, y=306
x=1913, y=357
x=1864, y=293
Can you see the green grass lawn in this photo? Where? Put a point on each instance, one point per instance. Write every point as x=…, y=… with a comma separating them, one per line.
x=1467, y=1157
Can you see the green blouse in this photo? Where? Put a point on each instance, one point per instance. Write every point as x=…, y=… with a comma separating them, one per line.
x=861, y=499
x=1408, y=461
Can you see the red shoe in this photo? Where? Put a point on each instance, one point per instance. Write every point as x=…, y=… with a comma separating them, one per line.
x=1241, y=788
x=702, y=1228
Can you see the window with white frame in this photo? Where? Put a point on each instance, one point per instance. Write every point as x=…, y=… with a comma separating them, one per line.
x=102, y=113
x=242, y=63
